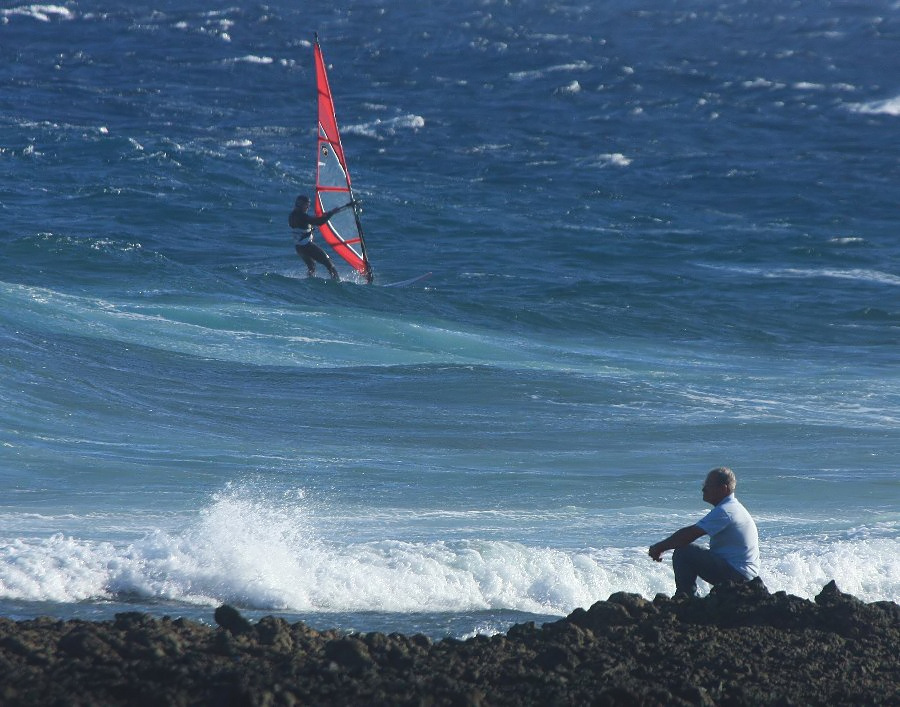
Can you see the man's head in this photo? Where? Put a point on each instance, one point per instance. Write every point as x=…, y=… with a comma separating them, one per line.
x=720, y=483
x=302, y=202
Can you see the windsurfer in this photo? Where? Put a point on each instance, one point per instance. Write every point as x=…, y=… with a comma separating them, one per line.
x=302, y=224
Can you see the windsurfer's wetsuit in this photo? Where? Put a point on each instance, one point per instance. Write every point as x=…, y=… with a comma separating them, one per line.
x=303, y=223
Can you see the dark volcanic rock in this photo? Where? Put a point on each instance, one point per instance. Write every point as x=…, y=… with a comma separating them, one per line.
x=231, y=620
x=740, y=645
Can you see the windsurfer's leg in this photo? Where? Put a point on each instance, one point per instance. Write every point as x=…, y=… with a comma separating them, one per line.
x=310, y=263
x=321, y=256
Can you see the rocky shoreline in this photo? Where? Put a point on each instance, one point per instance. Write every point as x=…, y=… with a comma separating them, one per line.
x=740, y=645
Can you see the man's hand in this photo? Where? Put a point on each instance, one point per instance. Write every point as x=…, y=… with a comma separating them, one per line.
x=679, y=538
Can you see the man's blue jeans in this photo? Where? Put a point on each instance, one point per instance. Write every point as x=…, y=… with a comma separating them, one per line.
x=692, y=561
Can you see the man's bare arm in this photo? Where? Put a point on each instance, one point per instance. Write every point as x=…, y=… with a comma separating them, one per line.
x=680, y=538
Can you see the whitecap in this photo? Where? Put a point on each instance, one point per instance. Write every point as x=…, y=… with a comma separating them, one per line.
x=862, y=274
x=253, y=59
x=890, y=106
x=847, y=240
x=762, y=83
x=540, y=73
x=612, y=159
x=389, y=126
x=570, y=89
x=43, y=13
x=486, y=147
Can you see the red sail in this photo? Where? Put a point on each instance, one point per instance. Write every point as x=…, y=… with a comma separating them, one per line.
x=333, y=189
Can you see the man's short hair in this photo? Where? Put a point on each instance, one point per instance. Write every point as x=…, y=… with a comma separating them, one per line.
x=725, y=476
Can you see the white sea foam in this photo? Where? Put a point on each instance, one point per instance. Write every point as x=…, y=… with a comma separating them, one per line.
x=762, y=83
x=539, y=73
x=868, y=569
x=890, y=106
x=253, y=59
x=571, y=88
x=842, y=274
x=847, y=240
x=43, y=13
x=861, y=274
x=390, y=126
x=262, y=554
x=612, y=159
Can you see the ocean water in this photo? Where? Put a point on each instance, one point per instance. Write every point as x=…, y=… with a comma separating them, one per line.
x=663, y=238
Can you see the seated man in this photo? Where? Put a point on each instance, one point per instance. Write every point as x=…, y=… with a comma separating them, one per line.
x=733, y=554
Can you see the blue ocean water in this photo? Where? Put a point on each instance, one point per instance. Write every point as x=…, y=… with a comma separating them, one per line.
x=663, y=238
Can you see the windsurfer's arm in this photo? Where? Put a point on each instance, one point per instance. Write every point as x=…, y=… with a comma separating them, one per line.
x=323, y=219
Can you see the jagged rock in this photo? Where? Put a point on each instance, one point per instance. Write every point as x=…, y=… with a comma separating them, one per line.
x=831, y=595
x=82, y=644
x=600, y=616
x=231, y=620
x=634, y=604
x=275, y=633
x=350, y=653
x=740, y=645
